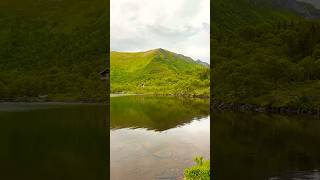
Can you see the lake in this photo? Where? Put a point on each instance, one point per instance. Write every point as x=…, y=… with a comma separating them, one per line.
x=153, y=138
x=50, y=141
x=157, y=137
x=255, y=146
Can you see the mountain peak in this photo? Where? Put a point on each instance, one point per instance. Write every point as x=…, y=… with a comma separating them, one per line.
x=160, y=50
x=156, y=55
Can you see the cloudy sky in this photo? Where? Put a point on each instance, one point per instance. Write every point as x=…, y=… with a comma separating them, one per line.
x=181, y=26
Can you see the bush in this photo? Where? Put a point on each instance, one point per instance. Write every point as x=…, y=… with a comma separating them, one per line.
x=201, y=171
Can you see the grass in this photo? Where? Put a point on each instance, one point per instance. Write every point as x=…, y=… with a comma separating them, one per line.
x=201, y=171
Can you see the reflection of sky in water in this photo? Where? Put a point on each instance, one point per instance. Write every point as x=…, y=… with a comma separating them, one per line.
x=145, y=154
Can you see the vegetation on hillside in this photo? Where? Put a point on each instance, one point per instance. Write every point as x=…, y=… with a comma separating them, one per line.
x=158, y=72
x=53, y=50
x=228, y=15
x=268, y=65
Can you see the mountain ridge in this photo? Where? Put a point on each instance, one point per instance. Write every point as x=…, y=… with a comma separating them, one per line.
x=232, y=14
x=302, y=8
x=164, y=52
x=315, y=3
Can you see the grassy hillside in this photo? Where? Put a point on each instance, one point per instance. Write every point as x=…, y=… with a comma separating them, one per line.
x=53, y=49
x=158, y=71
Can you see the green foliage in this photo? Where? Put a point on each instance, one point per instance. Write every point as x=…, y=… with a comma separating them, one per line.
x=201, y=171
x=158, y=72
x=53, y=49
x=268, y=65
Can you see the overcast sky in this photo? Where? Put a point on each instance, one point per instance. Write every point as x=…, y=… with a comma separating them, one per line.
x=181, y=26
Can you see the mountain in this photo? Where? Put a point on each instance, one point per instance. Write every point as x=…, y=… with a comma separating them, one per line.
x=232, y=14
x=302, y=8
x=267, y=57
x=53, y=49
x=157, y=71
x=315, y=3
x=203, y=63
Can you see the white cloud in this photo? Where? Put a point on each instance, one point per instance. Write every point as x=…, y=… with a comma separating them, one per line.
x=181, y=26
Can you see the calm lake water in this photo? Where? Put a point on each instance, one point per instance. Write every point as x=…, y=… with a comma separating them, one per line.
x=157, y=137
x=153, y=138
x=256, y=146
x=53, y=141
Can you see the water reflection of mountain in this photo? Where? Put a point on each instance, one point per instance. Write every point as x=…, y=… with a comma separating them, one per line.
x=42, y=141
x=260, y=146
x=155, y=113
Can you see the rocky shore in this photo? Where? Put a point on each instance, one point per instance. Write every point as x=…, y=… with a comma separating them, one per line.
x=266, y=109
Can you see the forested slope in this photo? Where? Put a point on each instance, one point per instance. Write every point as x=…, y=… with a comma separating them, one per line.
x=53, y=49
x=268, y=64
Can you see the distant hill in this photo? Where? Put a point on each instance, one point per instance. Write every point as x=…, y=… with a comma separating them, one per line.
x=157, y=71
x=203, y=63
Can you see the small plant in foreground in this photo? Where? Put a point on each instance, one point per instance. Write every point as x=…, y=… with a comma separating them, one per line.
x=201, y=171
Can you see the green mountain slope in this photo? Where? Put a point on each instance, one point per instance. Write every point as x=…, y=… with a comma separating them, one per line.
x=158, y=71
x=267, y=64
x=53, y=49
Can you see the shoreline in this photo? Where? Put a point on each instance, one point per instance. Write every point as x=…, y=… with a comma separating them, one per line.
x=266, y=109
x=163, y=95
x=36, y=100
x=120, y=95
x=48, y=101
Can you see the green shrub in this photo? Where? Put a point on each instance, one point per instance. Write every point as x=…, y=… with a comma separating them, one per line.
x=201, y=171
